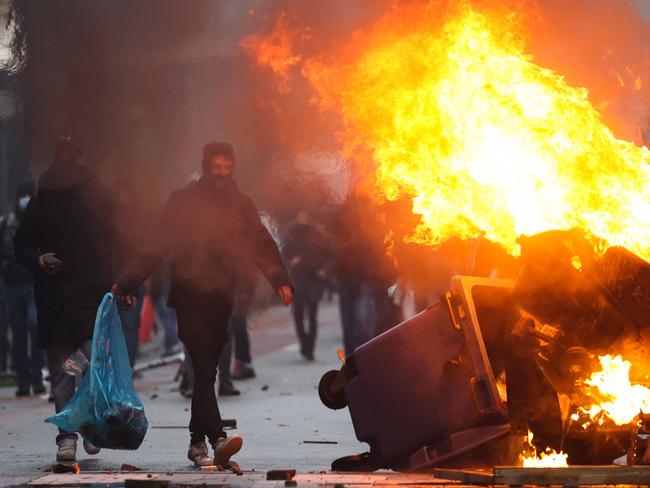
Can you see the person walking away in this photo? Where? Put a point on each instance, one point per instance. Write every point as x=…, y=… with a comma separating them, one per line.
x=207, y=228
x=66, y=239
x=360, y=264
x=19, y=286
x=307, y=256
x=238, y=334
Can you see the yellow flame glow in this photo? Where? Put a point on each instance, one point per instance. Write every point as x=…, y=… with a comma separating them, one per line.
x=457, y=117
x=547, y=459
x=620, y=400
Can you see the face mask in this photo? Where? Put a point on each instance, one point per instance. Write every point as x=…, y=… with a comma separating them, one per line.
x=221, y=179
x=22, y=202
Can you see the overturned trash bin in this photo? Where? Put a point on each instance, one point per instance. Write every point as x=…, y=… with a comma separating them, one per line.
x=105, y=409
x=424, y=393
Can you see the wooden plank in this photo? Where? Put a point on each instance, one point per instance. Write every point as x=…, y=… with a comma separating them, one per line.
x=573, y=476
x=471, y=476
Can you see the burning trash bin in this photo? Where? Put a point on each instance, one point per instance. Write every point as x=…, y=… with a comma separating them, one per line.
x=494, y=360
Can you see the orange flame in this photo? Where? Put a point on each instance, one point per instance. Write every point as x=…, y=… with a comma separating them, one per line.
x=619, y=400
x=276, y=50
x=547, y=459
x=457, y=117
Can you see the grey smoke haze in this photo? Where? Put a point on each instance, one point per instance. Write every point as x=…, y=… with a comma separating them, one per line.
x=143, y=85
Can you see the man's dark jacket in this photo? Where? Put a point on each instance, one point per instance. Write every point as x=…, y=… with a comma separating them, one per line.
x=208, y=231
x=71, y=215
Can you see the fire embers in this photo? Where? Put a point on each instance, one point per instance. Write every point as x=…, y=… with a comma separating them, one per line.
x=577, y=309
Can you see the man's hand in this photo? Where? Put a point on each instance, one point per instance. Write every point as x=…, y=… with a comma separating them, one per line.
x=50, y=263
x=285, y=293
x=125, y=301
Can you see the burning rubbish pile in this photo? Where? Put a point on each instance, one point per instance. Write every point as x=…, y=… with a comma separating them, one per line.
x=440, y=105
x=556, y=335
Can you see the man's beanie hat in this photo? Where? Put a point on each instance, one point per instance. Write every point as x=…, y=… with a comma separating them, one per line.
x=217, y=149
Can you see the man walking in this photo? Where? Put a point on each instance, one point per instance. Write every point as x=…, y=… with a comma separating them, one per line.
x=208, y=228
x=66, y=238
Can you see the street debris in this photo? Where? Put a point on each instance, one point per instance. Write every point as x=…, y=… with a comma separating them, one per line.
x=129, y=467
x=60, y=468
x=280, y=474
x=231, y=466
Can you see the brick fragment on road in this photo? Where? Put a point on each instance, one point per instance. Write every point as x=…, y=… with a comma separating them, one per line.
x=280, y=474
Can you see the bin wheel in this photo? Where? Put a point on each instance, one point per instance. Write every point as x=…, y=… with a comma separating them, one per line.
x=331, y=397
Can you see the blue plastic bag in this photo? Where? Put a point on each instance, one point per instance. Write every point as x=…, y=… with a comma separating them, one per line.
x=105, y=409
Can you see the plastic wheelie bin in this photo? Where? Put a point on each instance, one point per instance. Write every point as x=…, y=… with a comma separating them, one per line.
x=424, y=392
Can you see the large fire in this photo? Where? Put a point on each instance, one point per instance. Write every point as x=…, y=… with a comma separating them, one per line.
x=617, y=398
x=457, y=117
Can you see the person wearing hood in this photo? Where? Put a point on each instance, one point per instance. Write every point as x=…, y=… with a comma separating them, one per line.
x=19, y=283
x=206, y=229
x=66, y=238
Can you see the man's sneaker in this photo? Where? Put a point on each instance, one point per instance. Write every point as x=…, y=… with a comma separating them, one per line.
x=67, y=451
x=91, y=448
x=228, y=389
x=225, y=448
x=242, y=371
x=198, y=454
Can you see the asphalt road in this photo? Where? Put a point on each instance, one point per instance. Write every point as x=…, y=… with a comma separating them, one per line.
x=276, y=413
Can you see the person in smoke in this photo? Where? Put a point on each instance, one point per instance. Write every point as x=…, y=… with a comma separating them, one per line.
x=307, y=255
x=363, y=272
x=243, y=365
x=19, y=282
x=66, y=238
x=207, y=228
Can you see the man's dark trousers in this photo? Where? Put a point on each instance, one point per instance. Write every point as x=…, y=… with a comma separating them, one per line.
x=204, y=331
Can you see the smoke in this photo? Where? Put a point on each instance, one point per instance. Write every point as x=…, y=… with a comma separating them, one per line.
x=601, y=45
x=142, y=86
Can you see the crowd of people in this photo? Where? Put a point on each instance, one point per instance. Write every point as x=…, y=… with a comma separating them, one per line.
x=69, y=239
